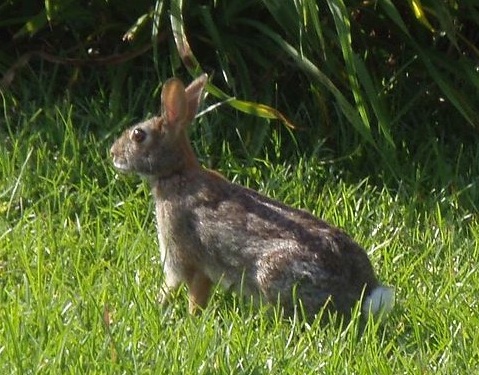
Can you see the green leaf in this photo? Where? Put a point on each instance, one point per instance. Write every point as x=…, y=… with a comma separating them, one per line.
x=285, y=14
x=394, y=15
x=313, y=15
x=33, y=25
x=312, y=70
x=179, y=34
x=461, y=102
x=419, y=13
x=373, y=96
x=341, y=20
x=157, y=13
x=193, y=66
x=136, y=27
x=215, y=35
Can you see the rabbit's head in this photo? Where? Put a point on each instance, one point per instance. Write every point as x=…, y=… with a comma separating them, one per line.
x=159, y=146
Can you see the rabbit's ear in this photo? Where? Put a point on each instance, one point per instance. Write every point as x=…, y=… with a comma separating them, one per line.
x=174, y=105
x=194, y=95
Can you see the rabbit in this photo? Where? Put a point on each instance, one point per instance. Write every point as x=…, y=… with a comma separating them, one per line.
x=212, y=231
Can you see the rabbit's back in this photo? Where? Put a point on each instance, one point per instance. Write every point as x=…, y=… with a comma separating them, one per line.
x=252, y=243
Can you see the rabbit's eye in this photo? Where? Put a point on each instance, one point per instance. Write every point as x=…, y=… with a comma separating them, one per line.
x=138, y=135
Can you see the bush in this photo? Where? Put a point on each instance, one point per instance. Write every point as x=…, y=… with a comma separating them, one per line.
x=376, y=72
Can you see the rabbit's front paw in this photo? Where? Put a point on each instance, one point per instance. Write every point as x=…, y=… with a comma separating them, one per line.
x=163, y=297
x=165, y=294
x=199, y=287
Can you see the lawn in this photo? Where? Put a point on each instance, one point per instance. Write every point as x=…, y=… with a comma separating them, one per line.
x=80, y=269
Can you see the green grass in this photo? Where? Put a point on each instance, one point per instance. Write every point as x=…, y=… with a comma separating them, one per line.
x=80, y=271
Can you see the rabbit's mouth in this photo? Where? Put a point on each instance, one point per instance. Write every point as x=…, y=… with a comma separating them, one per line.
x=121, y=165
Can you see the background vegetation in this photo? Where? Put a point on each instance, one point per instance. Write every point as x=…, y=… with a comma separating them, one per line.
x=376, y=132
x=374, y=73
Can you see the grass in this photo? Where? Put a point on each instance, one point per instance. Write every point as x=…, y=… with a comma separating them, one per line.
x=79, y=264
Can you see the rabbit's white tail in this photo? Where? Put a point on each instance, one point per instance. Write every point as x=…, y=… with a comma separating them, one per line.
x=380, y=302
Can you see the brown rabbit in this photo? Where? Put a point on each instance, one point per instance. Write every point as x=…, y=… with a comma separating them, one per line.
x=213, y=231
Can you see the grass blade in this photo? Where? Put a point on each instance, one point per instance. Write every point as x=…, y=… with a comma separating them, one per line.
x=373, y=97
x=312, y=70
x=341, y=20
x=455, y=96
